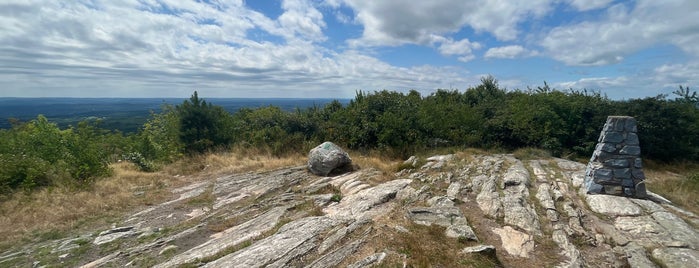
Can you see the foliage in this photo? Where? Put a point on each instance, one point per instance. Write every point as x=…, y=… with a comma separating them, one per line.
x=38, y=153
x=562, y=123
x=203, y=126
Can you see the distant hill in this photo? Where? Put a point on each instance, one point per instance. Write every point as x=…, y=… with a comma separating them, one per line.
x=124, y=114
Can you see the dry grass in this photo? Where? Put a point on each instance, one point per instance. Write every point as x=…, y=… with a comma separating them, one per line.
x=57, y=210
x=54, y=212
x=234, y=161
x=680, y=188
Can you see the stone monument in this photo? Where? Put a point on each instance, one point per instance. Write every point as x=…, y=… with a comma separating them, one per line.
x=615, y=167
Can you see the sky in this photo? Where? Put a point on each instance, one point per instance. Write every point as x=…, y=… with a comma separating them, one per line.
x=333, y=48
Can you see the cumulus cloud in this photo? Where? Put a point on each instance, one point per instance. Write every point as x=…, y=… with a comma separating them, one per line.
x=392, y=23
x=169, y=48
x=508, y=52
x=462, y=48
x=626, y=29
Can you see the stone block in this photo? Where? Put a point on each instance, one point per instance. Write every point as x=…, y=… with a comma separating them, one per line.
x=622, y=173
x=631, y=139
x=638, y=174
x=617, y=163
x=638, y=163
x=630, y=150
x=641, y=190
x=612, y=137
x=630, y=125
x=627, y=183
x=613, y=189
x=606, y=147
x=602, y=175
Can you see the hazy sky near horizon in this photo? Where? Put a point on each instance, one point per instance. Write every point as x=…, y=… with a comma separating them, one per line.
x=331, y=48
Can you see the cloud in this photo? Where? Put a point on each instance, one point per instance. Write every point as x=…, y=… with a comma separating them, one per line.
x=169, y=48
x=624, y=30
x=462, y=48
x=585, y=5
x=393, y=23
x=508, y=52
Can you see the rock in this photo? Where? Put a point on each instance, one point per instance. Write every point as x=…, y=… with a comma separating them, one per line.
x=326, y=157
x=442, y=216
x=546, y=201
x=480, y=249
x=369, y=261
x=302, y=233
x=332, y=259
x=515, y=242
x=450, y=217
x=169, y=248
x=340, y=234
x=454, y=191
x=613, y=205
x=678, y=229
x=437, y=161
x=677, y=257
x=114, y=234
x=636, y=256
x=411, y=161
x=645, y=231
x=517, y=174
x=440, y=201
x=357, y=205
x=230, y=237
x=461, y=230
x=488, y=199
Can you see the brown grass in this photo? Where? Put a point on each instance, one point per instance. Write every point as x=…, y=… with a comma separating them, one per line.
x=680, y=188
x=55, y=212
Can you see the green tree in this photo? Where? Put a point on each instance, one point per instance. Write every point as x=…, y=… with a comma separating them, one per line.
x=203, y=126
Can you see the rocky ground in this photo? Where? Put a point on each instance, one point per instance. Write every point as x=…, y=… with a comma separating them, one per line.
x=458, y=210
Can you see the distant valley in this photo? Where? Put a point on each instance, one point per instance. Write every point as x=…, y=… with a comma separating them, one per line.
x=124, y=114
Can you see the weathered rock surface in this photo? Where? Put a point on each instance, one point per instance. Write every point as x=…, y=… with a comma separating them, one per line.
x=677, y=257
x=516, y=243
x=526, y=213
x=327, y=157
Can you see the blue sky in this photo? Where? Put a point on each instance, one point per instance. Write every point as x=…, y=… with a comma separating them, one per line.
x=331, y=48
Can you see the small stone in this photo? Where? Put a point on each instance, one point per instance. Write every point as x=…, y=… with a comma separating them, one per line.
x=481, y=249
x=638, y=163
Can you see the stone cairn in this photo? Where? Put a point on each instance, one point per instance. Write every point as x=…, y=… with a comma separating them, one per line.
x=615, y=167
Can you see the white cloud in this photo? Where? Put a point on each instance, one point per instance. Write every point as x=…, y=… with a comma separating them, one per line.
x=508, y=52
x=392, y=23
x=585, y=5
x=624, y=30
x=463, y=48
x=169, y=48
x=302, y=18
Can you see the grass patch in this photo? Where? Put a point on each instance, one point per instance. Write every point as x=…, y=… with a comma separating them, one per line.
x=680, y=188
x=529, y=153
x=428, y=246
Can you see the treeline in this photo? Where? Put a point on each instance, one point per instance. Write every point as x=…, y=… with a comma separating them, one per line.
x=566, y=123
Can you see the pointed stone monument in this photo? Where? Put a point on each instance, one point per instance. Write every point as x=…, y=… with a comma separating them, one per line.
x=615, y=167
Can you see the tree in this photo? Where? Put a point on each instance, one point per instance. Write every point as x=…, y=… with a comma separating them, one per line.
x=203, y=126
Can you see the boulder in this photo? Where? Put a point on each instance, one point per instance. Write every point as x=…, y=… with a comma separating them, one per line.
x=326, y=158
